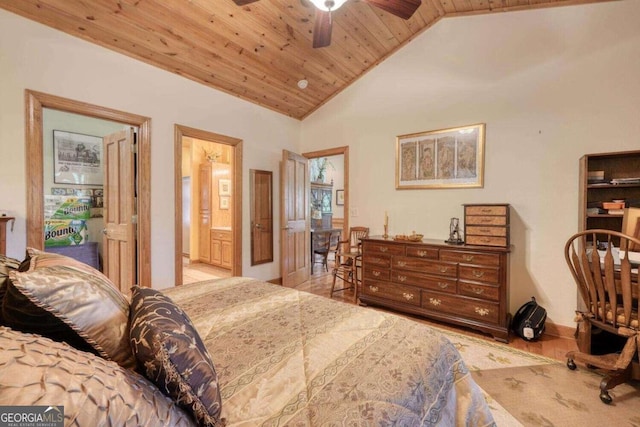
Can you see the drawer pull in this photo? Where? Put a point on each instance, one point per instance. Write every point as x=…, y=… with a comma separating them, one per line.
x=423, y=253
x=482, y=311
x=478, y=274
x=443, y=269
x=486, y=220
x=373, y=288
x=401, y=263
x=443, y=285
x=468, y=257
x=384, y=249
x=402, y=278
x=485, y=210
x=435, y=301
x=477, y=291
x=485, y=230
x=407, y=296
x=376, y=273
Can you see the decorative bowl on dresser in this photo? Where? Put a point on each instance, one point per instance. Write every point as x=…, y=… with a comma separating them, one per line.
x=465, y=284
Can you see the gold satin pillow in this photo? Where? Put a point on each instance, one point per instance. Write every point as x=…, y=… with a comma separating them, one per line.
x=38, y=371
x=88, y=303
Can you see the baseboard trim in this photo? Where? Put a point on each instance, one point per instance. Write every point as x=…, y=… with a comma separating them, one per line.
x=560, y=331
x=276, y=281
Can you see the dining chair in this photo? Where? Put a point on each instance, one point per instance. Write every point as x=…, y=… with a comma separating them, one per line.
x=348, y=256
x=327, y=246
x=607, y=281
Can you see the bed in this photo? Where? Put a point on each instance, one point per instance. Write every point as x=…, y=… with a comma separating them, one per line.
x=286, y=357
x=281, y=358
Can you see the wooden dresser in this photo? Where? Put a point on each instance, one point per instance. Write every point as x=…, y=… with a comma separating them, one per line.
x=460, y=284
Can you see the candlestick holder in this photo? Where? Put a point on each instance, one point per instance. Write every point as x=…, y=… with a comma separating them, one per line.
x=386, y=229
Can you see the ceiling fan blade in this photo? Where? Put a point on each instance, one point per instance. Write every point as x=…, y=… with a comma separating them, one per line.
x=402, y=8
x=322, y=29
x=243, y=2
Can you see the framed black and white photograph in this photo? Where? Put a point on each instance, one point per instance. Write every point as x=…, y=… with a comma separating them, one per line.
x=77, y=158
x=339, y=197
x=445, y=158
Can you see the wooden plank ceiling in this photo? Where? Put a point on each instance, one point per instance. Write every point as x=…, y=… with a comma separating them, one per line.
x=259, y=51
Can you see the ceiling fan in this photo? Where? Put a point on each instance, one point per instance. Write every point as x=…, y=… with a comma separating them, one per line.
x=322, y=25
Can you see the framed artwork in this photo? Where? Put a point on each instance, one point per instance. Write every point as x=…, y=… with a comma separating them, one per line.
x=224, y=187
x=77, y=158
x=340, y=197
x=224, y=202
x=445, y=158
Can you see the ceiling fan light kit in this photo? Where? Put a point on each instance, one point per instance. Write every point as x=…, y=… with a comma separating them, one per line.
x=328, y=5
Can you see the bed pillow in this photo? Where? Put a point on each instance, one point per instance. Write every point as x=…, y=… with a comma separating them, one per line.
x=93, y=391
x=6, y=265
x=172, y=355
x=36, y=258
x=88, y=304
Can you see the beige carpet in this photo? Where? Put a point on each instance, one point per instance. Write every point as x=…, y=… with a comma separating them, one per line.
x=525, y=389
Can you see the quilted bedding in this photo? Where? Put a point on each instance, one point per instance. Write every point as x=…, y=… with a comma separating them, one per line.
x=286, y=357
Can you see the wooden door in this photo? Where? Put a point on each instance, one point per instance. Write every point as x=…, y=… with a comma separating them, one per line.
x=294, y=219
x=119, y=240
x=261, y=217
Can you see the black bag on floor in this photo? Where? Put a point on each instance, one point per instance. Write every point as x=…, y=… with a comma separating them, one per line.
x=528, y=322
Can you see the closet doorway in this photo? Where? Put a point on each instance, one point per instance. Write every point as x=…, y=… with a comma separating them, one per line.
x=208, y=187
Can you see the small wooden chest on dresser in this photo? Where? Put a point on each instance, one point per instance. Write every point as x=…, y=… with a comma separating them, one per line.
x=486, y=225
x=461, y=284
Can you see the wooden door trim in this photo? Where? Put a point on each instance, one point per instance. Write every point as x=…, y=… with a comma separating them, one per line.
x=35, y=102
x=181, y=131
x=336, y=151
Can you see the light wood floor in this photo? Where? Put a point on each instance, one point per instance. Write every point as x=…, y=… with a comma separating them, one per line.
x=320, y=284
x=199, y=271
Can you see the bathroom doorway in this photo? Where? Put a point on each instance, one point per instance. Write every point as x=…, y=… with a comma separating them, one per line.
x=209, y=205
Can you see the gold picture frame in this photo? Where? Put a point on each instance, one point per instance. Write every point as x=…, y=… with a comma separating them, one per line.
x=444, y=158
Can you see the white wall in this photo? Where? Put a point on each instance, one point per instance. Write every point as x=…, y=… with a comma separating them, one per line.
x=36, y=57
x=550, y=84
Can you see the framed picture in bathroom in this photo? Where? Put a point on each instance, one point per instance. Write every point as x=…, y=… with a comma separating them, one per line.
x=224, y=187
x=224, y=202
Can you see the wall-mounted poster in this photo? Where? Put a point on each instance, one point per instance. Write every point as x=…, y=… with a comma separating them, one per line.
x=77, y=158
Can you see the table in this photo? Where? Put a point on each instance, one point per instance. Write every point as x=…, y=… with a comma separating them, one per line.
x=318, y=236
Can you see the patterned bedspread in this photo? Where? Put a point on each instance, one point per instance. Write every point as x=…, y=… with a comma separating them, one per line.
x=286, y=357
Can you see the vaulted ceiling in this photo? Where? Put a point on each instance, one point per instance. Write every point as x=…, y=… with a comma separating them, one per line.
x=259, y=51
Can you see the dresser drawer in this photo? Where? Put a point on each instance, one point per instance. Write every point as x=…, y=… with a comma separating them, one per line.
x=480, y=273
x=479, y=291
x=485, y=220
x=486, y=231
x=486, y=241
x=426, y=282
x=393, y=292
x=371, y=248
x=470, y=257
x=383, y=261
x=373, y=272
x=471, y=308
x=486, y=210
x=425, y=266
x=422, y=252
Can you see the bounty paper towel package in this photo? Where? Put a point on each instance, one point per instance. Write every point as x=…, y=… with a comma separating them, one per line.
x=65, y=232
